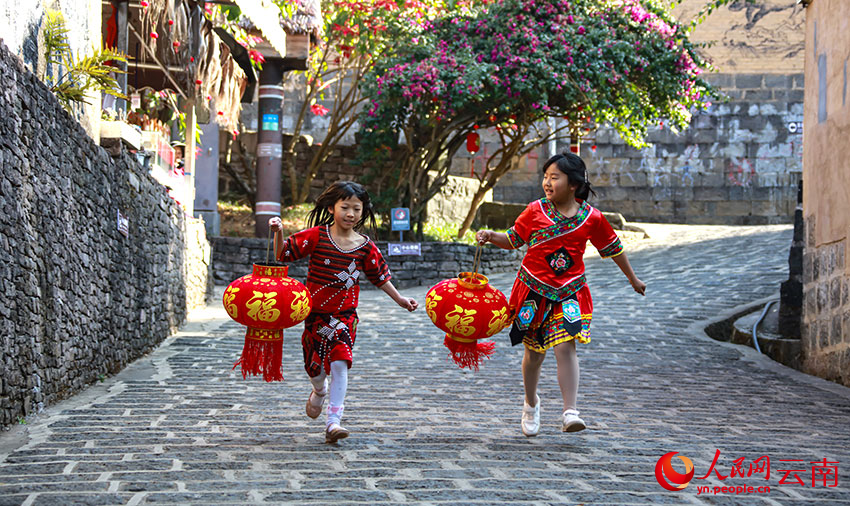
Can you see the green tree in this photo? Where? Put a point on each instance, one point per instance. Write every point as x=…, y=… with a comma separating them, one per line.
x=515, y=64
x=356, y=32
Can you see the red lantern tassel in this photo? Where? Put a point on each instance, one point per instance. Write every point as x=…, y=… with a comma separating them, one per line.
x=262, y=354
x=468, y=352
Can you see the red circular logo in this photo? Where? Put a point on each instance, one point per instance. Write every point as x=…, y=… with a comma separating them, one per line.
x=668, y=477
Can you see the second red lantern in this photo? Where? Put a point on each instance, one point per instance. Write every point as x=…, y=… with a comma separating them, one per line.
x=467, y=308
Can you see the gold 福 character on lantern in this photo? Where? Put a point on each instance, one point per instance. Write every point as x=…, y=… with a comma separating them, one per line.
x=459, y=319
x=261, y=307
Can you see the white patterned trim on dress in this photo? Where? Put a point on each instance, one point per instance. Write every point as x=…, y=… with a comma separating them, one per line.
x=331, y=238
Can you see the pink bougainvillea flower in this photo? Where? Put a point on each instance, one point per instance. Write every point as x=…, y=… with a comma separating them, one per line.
x=143, y=3
x=154, y=35
x=580, y=30
x=256, y=56
x=318, y=109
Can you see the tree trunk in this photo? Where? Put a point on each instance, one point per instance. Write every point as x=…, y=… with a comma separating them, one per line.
x=473, y=209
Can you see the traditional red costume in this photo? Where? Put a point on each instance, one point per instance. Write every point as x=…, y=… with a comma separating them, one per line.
x=333, y=280
x=550, y=300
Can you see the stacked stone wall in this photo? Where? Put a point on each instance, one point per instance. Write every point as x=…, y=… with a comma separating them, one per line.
x=738, y=164
x=234, y=256
x=78, y=299
x=825, y=324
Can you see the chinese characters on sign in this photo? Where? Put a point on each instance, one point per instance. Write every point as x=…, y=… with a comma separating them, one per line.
x=405, y=248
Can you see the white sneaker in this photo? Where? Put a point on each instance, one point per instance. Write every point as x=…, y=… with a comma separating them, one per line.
x=572, y=423
x=531, y=418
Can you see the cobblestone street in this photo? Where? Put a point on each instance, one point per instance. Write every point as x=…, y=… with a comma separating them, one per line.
x=180, y=426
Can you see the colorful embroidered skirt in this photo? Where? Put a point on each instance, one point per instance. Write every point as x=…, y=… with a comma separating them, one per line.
x=540, y=323
x=326, y=338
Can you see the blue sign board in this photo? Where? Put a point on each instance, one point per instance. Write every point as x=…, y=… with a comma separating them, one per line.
x=400, y=218
x=271, y=122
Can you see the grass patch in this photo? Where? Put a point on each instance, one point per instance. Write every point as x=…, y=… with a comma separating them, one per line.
x=447, y=233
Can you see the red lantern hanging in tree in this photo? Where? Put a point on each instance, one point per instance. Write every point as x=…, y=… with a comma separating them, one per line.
x=473, y=142
x=266, y=301
x=467, y=308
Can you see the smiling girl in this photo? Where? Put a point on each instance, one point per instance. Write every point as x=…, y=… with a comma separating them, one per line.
x=339, y=254
x=550, y=300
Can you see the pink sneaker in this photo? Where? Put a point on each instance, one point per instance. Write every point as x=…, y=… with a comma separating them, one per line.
x=335, y=432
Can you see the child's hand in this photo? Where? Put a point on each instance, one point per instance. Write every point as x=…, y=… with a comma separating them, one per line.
x=483, y=236
x=275, y=224
x=639, y=286
x=408, y=303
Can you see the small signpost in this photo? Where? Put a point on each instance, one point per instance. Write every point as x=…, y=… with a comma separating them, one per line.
x=123, y=224
x=400, y=221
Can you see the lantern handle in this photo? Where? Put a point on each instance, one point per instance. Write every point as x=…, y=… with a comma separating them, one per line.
x=476, y=262
x=268, y=245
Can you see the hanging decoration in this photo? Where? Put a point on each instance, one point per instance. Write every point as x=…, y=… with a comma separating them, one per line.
x=473, y=141
x=266, y=301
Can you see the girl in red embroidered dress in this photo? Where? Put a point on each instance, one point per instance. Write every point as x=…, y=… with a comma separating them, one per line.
x=550, y=300
x=339, y=255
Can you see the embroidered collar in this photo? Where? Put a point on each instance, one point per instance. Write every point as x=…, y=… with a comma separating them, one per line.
x=561, y=225
x=556, y=216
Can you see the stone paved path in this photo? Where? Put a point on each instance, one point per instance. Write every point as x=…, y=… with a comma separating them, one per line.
x=180, y=427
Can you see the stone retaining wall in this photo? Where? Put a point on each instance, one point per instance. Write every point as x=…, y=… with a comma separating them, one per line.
x=79, y=300
x=737, y=164
x=234, y=256
x=825, y=324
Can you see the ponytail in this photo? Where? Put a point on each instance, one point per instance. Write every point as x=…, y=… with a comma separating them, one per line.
x=584, y=190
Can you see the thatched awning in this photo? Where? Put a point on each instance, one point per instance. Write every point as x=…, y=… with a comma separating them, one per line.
x=266, y=17
x=195, y=60
x=307, y=20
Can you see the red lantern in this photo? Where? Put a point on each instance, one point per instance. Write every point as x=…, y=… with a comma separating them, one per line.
x=266, y=301
x=472, y=142
x=467, y=308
